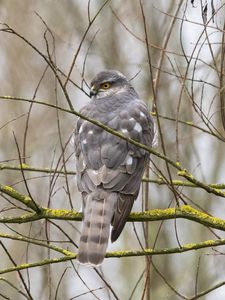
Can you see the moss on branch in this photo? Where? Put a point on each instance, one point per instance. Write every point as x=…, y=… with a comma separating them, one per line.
x=69, y=255
x=184, y=212
x=184, y=248
x=26, y=200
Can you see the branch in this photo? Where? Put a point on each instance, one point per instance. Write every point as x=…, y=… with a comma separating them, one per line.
x=183, y=212
x=25, y=167
x=184, y=248
x=35, y=242
x=128, y=253
x=219, y=186
x=26, y=200
x=218, y=285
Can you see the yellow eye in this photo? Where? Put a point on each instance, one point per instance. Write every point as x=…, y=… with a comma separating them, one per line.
x=105, y=85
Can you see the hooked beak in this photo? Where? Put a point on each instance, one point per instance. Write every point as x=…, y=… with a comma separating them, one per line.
x=93, y=91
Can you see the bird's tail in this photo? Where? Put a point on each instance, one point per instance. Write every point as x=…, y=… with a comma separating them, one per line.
x=98, y=213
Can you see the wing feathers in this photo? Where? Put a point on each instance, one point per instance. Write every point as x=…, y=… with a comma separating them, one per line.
x=123, y=209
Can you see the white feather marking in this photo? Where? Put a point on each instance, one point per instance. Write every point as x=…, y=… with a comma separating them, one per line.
x=142, y=114
x=90, y=132
x=124, y=130
x=83, y=163
x=129, y=160
x=131, y=119
x=81, y=128
x=84, y=141
x=138, y=127
x=95, y=172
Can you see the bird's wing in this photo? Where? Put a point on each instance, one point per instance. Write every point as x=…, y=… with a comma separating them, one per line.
x=135, y=123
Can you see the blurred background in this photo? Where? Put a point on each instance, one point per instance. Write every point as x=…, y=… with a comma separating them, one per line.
x=172, y=51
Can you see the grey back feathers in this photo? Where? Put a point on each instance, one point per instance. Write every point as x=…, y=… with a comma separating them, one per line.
x=109, y=170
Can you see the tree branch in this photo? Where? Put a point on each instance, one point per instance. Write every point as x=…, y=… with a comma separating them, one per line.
x=25, y=167
x=183, y=212
x=26, y=200
x=128, y=253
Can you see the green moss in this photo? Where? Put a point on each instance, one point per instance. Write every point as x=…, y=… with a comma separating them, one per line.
x=202, y=217
x=189, y=123
x=24, y=166
x=24, y=266
x=219, y=191
x=208, y=243
x=194, y=212
x=8, y=188
x=164, y=212
x=182, y=173
x=68, y=253
x=61, y=214
x=152, y=215
x=188, y=246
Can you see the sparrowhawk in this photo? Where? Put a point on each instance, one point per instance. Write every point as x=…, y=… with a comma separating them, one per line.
x=109, y=169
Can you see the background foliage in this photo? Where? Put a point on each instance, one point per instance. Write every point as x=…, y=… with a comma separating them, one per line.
x=173, y=51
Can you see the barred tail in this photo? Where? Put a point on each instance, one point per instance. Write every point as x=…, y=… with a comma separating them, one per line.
x=98, y=213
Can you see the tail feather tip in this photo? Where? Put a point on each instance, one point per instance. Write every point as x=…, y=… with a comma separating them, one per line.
x=93, y=259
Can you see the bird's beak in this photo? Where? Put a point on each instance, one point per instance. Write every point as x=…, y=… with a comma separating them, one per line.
x=93, y=91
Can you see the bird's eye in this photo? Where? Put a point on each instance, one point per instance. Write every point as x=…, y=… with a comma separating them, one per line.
x=105, y=85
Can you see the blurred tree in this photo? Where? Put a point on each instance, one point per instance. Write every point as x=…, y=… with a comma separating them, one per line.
x=173, y=51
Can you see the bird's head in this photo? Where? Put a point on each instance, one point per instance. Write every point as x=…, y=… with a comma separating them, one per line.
x=107, y=83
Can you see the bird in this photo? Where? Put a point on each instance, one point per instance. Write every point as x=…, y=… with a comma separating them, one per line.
x=109, y=169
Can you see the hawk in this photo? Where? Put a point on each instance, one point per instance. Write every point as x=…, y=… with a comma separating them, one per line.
x=109, y=169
